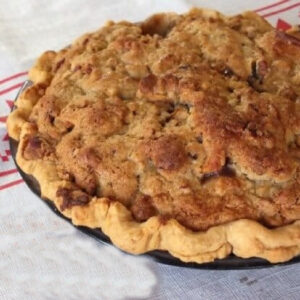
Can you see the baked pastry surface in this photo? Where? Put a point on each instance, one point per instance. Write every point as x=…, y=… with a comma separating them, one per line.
x=180, y=133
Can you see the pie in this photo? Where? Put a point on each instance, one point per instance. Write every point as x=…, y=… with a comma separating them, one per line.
x=180, y=133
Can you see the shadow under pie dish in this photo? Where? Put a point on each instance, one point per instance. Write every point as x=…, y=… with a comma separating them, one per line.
x=180, y=133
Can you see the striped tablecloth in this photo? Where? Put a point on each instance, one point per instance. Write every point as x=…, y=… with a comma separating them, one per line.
x=9, y=86
x=42, y=257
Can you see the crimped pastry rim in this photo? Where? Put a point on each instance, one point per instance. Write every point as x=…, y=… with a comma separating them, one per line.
x=115, y=220
x=235, y=263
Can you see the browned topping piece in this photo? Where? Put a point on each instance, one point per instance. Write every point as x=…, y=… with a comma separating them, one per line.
x=59, y=64
x=142, y=208
x=88, y=69
x=89, y=158
x=167, y=152
x=71, y=198
x=148, y=83
x=36, y=148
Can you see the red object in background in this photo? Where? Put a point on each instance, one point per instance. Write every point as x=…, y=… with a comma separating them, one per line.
x=282, y=25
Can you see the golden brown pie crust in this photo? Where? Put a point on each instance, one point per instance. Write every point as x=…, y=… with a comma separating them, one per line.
x=180, y=133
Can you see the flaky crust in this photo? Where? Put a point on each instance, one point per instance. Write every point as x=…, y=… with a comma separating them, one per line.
x=258, y=139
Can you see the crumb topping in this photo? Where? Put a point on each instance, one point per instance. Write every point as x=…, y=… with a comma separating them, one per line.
x=194, y=117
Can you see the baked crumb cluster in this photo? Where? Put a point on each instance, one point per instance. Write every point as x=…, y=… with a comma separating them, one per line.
x=194, y=117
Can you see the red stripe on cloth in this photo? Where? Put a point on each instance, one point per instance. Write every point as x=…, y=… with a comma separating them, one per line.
x=271, y=5
x=10, y=103
x=3, y=119
x=8, y=172
x=280, y=10
x=11, y=88
x=8, y=185
x=13, y=77
x=5, y=138
x=282, y=25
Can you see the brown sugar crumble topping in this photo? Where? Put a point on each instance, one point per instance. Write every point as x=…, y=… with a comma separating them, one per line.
x=194, y=117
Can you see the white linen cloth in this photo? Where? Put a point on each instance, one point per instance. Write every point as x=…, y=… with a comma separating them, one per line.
x=44, y=257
